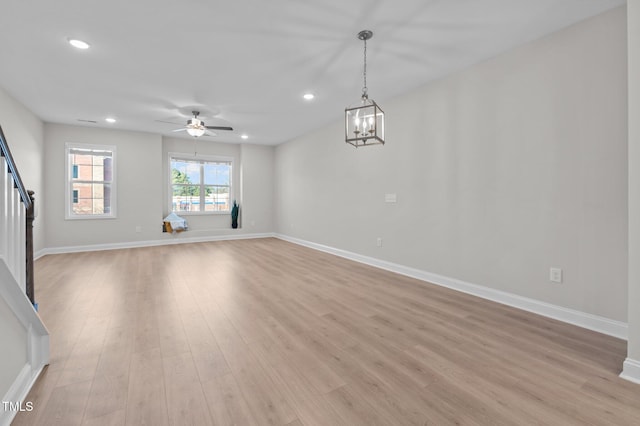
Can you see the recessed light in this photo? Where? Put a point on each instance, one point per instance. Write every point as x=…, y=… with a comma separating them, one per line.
x=309, y=96
x=79, y=44
x=244, y=136
x=110, y=120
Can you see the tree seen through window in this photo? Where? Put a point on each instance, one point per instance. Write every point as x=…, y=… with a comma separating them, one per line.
x=200, y=185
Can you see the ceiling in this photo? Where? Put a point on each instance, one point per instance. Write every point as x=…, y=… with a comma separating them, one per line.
x=247, y=63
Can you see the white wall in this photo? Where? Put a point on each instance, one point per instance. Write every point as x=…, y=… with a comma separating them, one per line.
x=139, y=182
x=632, y=364
x=257, y=215
x=24, y=132
x=14, y=347
x=501, y=171
x=142, y=189
x=252, y=183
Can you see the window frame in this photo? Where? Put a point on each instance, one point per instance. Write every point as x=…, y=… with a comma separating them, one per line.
x=69, y=180
x=202, y=159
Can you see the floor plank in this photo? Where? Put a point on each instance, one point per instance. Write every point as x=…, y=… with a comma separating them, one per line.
x=265, y=332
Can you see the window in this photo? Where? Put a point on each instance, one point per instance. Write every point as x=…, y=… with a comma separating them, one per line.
x=90, y=190
x=201, y=185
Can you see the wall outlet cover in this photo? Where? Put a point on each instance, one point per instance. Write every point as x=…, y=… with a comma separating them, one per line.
x=555, y=275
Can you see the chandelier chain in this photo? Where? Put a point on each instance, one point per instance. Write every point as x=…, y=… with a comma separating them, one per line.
x=364, y=88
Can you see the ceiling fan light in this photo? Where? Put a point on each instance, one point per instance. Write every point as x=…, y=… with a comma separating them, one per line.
x=195, y=131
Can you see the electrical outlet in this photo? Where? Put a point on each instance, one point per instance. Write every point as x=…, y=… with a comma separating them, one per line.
x=379, y=242
x=555, y=275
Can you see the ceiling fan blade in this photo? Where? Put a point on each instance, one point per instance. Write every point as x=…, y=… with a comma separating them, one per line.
x=219, y=127
x=179, y=130
x=168, y=122
x=210, y=134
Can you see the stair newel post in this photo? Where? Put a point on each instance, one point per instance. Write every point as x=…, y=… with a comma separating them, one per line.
x=30, y=216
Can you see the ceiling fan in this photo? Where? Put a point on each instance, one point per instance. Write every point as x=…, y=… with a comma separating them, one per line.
x=196, y=127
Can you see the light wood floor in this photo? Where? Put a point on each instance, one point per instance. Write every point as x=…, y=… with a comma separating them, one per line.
x=263, y=332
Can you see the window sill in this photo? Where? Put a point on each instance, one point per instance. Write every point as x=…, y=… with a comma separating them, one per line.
x=89, y=217
x=180, y=213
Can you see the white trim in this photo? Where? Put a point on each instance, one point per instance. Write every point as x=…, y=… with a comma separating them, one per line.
x=21, y=307
x=37, y=340
x=113, y=202
x=207, y=157
x=581, y=319
x=172, y=239
x=38, y=254
x=631, y=370
x=18, y=392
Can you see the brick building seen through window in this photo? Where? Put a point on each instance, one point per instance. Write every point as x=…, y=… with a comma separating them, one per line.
x=91, y=179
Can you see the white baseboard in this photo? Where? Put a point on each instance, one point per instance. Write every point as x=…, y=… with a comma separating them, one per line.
x=582, y=319
x=37, y=342
x=631, y=370
x=38, y=254
x=171, y=239
x=18, y=392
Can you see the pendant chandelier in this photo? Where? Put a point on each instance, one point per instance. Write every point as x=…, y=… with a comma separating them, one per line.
x=364, y=124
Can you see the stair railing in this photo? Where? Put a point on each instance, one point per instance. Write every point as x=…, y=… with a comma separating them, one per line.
x=16, y=222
